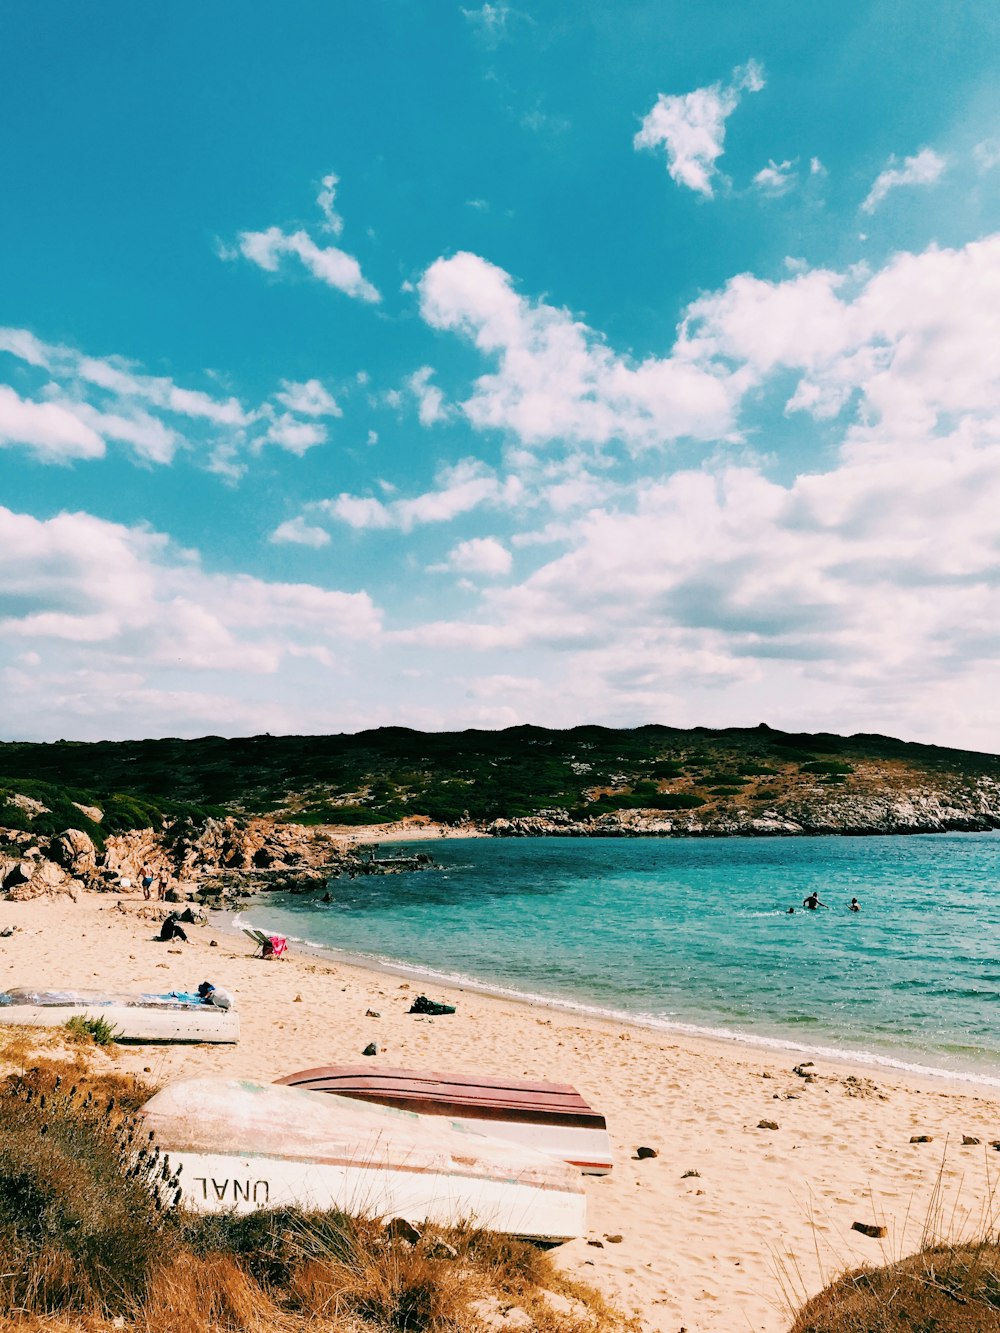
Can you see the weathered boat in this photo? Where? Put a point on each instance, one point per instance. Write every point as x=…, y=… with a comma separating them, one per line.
x=138, y=1017
x=551, y=1117
x=244, y=1145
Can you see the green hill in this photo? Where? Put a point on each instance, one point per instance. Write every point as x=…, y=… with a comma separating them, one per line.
x=583, y=772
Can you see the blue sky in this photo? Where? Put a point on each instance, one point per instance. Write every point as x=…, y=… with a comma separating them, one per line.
x=464, y=365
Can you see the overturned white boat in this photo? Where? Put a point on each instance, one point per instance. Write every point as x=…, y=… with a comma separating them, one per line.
x=550, y=1117
x=140, y=1017
x=243, y=1146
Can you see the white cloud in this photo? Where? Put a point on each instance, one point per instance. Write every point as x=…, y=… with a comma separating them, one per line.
x=293, y=435
x=490, y=21
x=300, y=533
x=54, y=432
x=333, y=222
x=924, y=168
x=430, y=399
x=92, y=400
x=776, y=178
x=692, y=127
x=481, y=555
x=330, y=265
x=556, y=379
x=461, y=488
x=310, y=399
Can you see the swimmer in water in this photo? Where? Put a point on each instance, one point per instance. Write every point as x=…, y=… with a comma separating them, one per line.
x=812, y=902
x=855, y=905
x=790, y=912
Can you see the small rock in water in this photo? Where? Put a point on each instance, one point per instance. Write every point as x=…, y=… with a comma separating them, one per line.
x=643, y=1153
x=370, y=1049
x=767, y=1124
x=869, y=1229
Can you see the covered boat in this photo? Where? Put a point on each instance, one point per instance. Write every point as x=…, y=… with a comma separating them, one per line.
x=175, y=1016
x=551, y=1117
x=243, y=1145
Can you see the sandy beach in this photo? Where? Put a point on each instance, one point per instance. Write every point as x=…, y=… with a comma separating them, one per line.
x=705, y=1237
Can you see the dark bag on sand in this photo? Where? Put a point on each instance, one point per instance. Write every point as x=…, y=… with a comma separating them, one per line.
x=421, y=1005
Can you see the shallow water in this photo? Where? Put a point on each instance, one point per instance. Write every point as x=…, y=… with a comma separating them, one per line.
x=696, y=933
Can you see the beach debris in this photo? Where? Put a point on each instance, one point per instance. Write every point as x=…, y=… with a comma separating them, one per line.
x=614, y=1240
x=438, y=1248
x=870, y=1229
x=372, y=1013
x=921, y=1138
x=213, y=944
x=297, y=1000
x=8, y=931
x=422, y=1005
x=970, y=1141
x=400, y=1229
x=767, y=1124
x=643, y=1153
x=767, y=1074
x=862, y=1087
x=688, y=1175
x=597, y=1244
x=802, y=1068
x=370, y=1049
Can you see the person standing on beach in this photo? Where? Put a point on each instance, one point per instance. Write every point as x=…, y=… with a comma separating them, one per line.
x=146, y=879
x=812, y=902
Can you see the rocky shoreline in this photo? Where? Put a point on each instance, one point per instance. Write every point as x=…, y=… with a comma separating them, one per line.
x=975, y=810
x=217, y=862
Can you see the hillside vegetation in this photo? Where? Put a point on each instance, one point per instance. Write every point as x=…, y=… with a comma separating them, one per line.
x=694, y=780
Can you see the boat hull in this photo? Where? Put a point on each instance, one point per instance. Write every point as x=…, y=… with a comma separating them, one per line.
x=134, y=1021
x=551, y=1118
x=244, y=1146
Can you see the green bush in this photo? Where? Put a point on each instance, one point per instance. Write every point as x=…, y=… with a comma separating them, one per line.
x=97, y=1030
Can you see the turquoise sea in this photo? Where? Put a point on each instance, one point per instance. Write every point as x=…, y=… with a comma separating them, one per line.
x=695, y=934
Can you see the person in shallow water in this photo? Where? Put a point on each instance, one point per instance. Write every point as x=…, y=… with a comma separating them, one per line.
x=812, y=902
x=855, y=906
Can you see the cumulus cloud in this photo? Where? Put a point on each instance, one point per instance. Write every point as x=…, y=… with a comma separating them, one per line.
x=924, y=168
x=430, y=399
x=53, y=432
x=93, y=600
x=287, y=432
x=298, y=532
x=461, y=488
x=82, y=402
x=310, y=399
x=776, y=178
x=692, y=127
x=556, y=378
x=481, y=555
x=328, y=263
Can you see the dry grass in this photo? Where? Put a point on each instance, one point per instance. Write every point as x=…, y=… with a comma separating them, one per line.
x=951, y=1285
x=90, y=1241
x=943, y=1289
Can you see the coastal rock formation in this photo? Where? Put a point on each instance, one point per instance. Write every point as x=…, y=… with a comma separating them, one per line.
x=74, y=851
